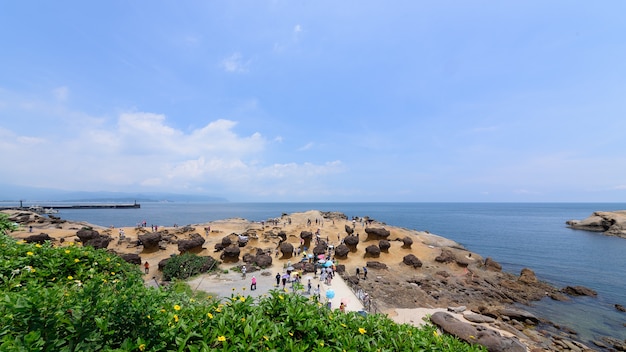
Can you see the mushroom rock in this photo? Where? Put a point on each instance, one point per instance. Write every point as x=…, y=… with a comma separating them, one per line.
x=384, y=245
x=286, y=249
x=412, y=260
x=248, y=258
x=263, y=260
x=306, y=236
x=308, y=267
x=376, y=233
x=89, y=237
x=372, y=251
x=341, y=251
x=163, y=263
x=131, y=258
x=283, y=236
x=150, y=240
x=407, y=242
x=349, y=229
x=194, y=243
x=351, y=241
x=446, y=256
x=320, y=249
x=226, y=241
x=231, y=254
x=40, y=238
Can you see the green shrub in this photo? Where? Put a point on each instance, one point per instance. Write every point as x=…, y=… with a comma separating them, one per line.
x=187, y=265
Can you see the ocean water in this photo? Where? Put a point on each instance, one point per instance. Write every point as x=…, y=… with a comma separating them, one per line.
x=517, y=235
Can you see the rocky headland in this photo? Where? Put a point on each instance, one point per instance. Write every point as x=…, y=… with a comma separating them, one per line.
x=610, y=223
x=407, y=269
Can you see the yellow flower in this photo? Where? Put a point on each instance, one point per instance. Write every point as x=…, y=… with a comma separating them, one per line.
x=142, y=347
x=322, y=343
x=221, y=338
x=67, y=251
x=362, y=331
x=192, y=300
x=70, y=277
x=290, y=333
x=38, y=245
x=472, y=337
x=266, y=338
x=281, y=297
x=243, y=320
x=176, y=318
x=218, y=310
x=435, y=333
x=21, y=242
x=242, y=298
x=209, y=315
x=148, y=316
x=112, y=272
x=108, y=259
x=76, y=260
x=344, y=325
x=176, y=307
x=71, y=244
x=29, y=253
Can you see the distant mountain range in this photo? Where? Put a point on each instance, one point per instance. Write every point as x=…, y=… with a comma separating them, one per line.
x=31, y=194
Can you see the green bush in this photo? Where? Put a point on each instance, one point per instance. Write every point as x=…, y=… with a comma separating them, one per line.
x=187, y=265
x=80, y=299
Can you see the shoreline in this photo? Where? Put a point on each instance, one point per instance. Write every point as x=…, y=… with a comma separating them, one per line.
x=461, y=269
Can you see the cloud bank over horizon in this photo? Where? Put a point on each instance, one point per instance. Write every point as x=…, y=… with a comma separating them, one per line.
x=271, y=101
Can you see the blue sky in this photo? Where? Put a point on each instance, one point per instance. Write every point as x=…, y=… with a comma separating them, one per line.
x=317, y=100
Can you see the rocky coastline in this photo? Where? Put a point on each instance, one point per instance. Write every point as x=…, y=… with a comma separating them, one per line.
x=610, y=223
x=407, y=269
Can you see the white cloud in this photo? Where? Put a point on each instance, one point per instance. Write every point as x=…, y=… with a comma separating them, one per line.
x=235, y=64
x=306, y=147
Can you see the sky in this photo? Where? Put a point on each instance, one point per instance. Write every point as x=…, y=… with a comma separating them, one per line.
x=304, y=101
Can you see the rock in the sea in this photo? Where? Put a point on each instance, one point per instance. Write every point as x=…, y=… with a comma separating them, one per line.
x=412, y=260
x=527, y=276
x=579, y=291
x=476, y=334
x=620, y=308
x=612, y=223
x=372, y=251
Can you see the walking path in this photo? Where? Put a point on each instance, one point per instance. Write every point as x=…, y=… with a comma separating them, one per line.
x=224, y=285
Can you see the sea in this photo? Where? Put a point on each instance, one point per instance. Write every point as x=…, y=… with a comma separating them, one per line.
x=516, y=235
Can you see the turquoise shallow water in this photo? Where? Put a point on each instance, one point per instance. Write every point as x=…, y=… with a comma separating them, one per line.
x=517, y=235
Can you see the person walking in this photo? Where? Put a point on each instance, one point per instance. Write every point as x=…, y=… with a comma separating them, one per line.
x=253, y=284
x=243, y=271
x=146, y=267
x=277, y=279
x=364, y=273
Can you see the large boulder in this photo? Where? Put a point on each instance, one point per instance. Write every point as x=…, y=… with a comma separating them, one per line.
x=376, y=265
x=320, y=249
x=527, y=276
x=40, y=238
x=446, y=256
x=150, y=240
x=476, y=334
x=131, y=258
x=351, y=241
x=384, y=245
x=193, y=244
x=89, y=237
x=341, y=251
x=286, y=249
x=376, y=233
x=519, y=315
x=263, y=260
x=349, y=229
x=283, y=236
x=412, y=260
x=230, y=254
x=306, y=236
x=372, y=251
x=407, y=242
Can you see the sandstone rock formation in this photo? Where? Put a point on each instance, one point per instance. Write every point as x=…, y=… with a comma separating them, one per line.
x=611, y=223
